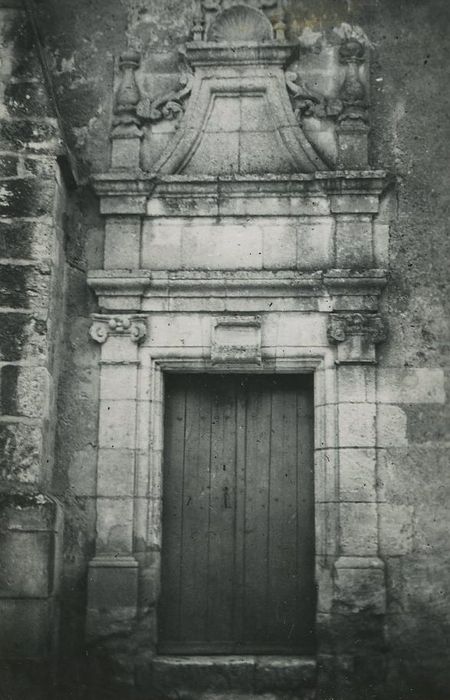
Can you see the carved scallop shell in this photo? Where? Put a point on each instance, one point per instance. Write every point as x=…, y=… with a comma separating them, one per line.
x=241, y=23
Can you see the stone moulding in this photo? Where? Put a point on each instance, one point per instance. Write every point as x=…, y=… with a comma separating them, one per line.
x=120, y=283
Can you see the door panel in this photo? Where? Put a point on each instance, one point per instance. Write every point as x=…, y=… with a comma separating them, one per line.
x=238, y=517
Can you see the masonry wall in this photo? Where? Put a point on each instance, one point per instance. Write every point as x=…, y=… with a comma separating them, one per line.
x=410, y=137
x=33, y=208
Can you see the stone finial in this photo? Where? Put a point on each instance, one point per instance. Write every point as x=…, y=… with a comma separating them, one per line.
x=126, y=120
x=353, y=93
x=104, y=326
x=356, y=335
x=197, y=28
x=280, y=30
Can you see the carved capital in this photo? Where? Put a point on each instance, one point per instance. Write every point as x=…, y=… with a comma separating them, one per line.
x=356, y=335
x=132, y=326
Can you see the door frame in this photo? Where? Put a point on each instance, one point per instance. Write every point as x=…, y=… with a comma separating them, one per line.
x=151, y=416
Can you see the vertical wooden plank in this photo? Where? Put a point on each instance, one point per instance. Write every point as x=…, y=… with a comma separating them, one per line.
x=305, y=509
x=222, y=510
x=169, y=611
x=194, y=554
x=281, y=612
x=239, y=525
x=258, y=437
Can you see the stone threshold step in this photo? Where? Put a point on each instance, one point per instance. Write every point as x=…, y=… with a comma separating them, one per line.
x=233, y=677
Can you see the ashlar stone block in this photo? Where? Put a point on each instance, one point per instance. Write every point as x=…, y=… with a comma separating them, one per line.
x=117, y=424
x=396, y=529
x=354, y=246
x=356, y=425
x=359, y=529
x=122, y=242
x=359, y=589
x=357, y=474
x=405, y=385
x=315, y=242
x=391, y=426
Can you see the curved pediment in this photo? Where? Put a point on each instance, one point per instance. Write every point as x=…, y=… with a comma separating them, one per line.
x=239, y=118
x=249, y=103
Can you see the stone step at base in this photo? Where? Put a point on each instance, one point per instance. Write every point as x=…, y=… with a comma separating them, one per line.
x=232, y=678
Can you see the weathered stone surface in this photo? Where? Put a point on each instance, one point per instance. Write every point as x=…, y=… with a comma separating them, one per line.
x=360, y=590
x=391, y=426
x=20, y=452
x=396, y=529
x=358, y=524
x=357, y=474
x=401, y=385
x=25, y=197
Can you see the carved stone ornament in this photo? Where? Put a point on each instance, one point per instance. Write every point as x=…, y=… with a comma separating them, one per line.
x=236, y=339
x=356, y=336
x=307, y=102
x=126, y=122
x=238, y=20
x=342, y=326
x=240, y=23
x=353, y=93
x=135, y=327
x=168, y=106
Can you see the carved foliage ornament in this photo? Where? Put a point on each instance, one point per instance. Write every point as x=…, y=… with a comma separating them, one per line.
x=103, y=326
x=168, y=106
x=350, y=105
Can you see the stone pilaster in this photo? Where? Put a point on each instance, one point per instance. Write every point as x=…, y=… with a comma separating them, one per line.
x=358, y=598
x=113, y=573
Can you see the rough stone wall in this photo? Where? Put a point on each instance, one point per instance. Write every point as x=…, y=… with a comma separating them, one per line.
x=34, y=207
x=410, y=137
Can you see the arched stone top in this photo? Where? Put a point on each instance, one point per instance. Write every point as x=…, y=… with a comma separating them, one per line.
x=240, y=23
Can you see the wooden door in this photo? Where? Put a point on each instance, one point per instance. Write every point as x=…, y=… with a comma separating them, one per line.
x=238, y=516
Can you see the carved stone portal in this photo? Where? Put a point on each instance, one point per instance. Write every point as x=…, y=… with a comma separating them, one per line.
x=240, y=236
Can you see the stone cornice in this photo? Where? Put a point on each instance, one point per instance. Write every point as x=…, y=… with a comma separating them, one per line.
x=140, y=283
x=122, y=192
x=247, y=53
